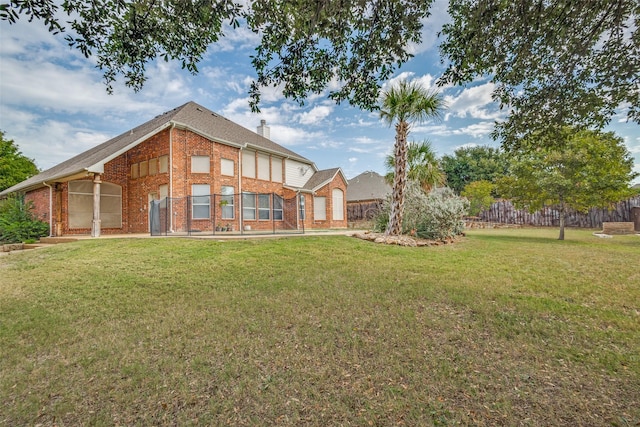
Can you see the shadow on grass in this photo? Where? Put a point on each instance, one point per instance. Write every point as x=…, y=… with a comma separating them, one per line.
x=546, y=239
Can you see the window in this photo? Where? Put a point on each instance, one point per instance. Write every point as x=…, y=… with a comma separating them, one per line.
x=277, y=207
x=338, y=204
x=227, y=167
x=302, y=207
x=320, y=208
x=134, y=170
x=249, y=164
x=153, y=166
x=164, y=164
x=264, y=206
x=200, y=164
x=200, y=201
x=226, y=202
x=263, y=167
x=248, y=206
x=164, y=191
x=144, y=168
x=81, y=204
x=276, y=169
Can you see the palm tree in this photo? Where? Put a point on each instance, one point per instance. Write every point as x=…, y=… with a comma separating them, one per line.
x=404, y=103
x=422, y=166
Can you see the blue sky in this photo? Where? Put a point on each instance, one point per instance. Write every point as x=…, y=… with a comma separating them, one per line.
x=53, y=102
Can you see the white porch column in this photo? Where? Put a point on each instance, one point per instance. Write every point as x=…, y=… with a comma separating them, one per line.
x=95, y=225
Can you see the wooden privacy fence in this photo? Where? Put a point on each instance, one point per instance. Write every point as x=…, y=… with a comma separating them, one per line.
x=505, y=213
x=363, y=211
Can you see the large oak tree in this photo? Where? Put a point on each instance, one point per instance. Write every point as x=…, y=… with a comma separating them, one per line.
x=555, y=63
x=354, y=46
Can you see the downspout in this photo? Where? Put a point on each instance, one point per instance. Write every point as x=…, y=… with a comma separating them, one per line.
x=240, y=211
x=298, y=210
x=50, y=208
x=170, y=166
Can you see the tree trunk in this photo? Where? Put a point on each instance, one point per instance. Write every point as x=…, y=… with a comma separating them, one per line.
x=394, y=228
x=562, y=219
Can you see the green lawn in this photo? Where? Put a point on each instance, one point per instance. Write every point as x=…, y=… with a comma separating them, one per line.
x=507, y=327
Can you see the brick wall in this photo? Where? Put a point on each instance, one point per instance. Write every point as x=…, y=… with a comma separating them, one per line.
x=136, y=191
x=327, y=191
x=40, y=199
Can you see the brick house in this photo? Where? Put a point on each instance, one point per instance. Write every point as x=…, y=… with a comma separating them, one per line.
x=206, y=169
x=365, y=195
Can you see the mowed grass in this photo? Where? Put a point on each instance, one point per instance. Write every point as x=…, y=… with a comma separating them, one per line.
x=507, y=327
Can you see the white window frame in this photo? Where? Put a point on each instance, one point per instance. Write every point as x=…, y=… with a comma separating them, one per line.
x=264, y=207
x=320, y=208
x=278, y=208
x=249, y=164
x=263, y=167
x=249, y=206
x=276, y=169
x=337, y=202
x=200, y=164
x=153, y=166
x=163, y=167
x=163, y=191
x=227, y=167
x=144, y=169
x=200, y=196
x=228, y=210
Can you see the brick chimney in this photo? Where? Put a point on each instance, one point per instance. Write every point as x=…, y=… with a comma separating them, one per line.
x=263, y=129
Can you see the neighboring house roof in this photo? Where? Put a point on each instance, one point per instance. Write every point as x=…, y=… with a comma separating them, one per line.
x=367, y=186
x=322, y=178
x=189, y=116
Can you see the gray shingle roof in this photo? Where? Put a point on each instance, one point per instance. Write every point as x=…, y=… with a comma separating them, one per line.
x=190, y=115
x=367, y=186
x=321, y=178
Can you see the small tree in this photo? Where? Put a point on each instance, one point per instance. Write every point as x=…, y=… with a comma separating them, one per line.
x=14, y=167
x=17, y=223
x=592, y=169
x=479, y=195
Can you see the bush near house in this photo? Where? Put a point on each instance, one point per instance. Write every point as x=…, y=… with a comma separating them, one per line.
x=17, y=223
x=436, y=215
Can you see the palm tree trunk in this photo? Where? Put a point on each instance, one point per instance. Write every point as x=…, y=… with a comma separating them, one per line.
x=394, y=228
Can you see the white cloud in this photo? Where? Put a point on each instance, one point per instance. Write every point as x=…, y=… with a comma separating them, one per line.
x=474, y=102
x=476, y=130
x=365, y=140
x=235, y=39
x=316, y=115
x=432, y=25
x=290, y=136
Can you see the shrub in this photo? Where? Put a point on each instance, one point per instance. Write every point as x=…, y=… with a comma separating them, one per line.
x=17, y=223
x=437, y=215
